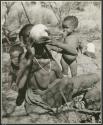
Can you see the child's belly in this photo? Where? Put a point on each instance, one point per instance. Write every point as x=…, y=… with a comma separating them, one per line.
x=42, y=79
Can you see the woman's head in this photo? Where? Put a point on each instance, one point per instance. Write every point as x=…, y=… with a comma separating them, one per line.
x=24, y=33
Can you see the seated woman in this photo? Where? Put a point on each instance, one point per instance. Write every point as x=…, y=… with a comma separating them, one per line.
x=42, y=76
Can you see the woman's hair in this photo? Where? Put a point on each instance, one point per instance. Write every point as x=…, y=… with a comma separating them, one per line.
x=24, y=30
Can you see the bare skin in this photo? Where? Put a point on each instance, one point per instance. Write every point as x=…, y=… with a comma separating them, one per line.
x=37, y=78
x=69, y=54
x=14, y=56
x=42, y=78
x=70, y=59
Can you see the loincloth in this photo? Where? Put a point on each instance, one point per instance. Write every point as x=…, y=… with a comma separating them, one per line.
x=49, y=98
x=35, y=102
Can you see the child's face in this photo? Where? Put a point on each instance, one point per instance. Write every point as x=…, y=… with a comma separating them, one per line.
x=68, y=28
x=15, y=57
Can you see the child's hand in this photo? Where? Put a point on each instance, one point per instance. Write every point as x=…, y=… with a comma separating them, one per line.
x=54, y=43
x=14, y=87
x=9, y=88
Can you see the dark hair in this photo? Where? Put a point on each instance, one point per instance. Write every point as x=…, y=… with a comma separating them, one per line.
x=16, y=48
x=72, y=19
x=24, y=30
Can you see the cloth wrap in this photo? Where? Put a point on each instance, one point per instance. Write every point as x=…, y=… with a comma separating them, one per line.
x=49, y=98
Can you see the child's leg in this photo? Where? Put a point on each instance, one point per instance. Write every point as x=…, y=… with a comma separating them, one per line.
x=64, y=66
x=73, y=68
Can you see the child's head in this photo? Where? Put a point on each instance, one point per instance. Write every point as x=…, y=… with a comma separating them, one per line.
x=15, y=52
x=69, y=24
x=24, y=33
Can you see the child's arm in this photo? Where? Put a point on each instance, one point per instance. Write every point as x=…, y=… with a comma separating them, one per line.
x=10, y=82
x=25, y=66
x=11, y=77
x=54, y=48
x=24, y=71
x=22, y=80
x=69, y=49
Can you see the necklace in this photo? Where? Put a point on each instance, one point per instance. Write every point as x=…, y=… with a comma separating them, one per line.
x=42, y=67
